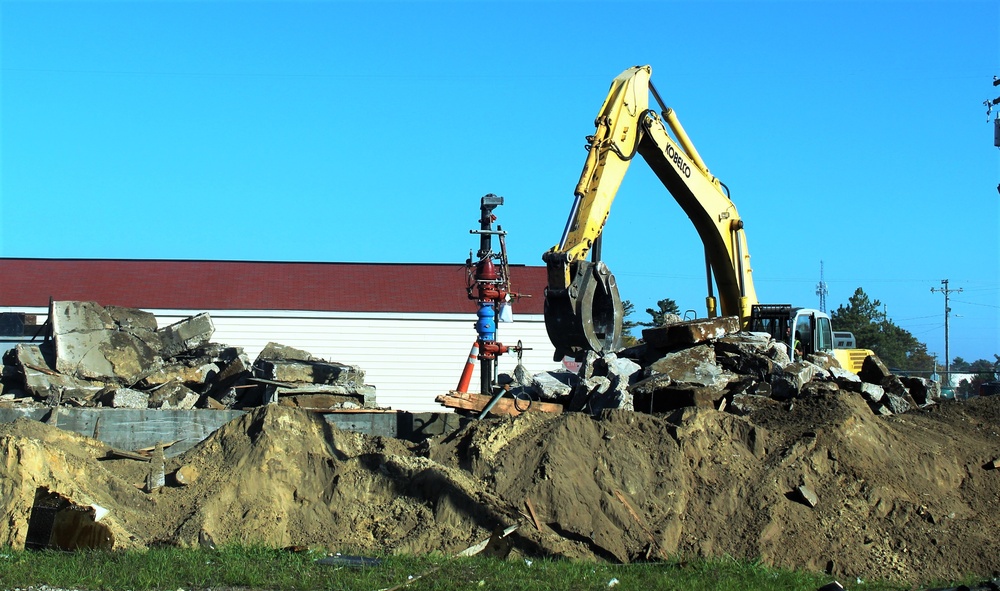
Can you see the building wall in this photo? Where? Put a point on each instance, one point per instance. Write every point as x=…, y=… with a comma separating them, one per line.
x=409, y=358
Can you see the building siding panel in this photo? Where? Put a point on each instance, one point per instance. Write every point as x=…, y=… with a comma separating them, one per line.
x=409, y=360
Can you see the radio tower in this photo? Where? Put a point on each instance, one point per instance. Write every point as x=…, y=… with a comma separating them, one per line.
x=821, y=290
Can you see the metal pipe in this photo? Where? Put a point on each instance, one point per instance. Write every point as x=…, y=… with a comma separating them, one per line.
x=710, y=298
x=684, y=140
x=569, y=222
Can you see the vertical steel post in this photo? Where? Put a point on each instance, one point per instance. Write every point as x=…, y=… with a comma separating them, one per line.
x=947, y=354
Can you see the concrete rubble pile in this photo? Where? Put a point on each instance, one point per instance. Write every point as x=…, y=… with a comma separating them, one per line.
x=110, y=356
x=711, y=363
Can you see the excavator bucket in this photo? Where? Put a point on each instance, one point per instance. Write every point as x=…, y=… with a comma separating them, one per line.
x=587, y=316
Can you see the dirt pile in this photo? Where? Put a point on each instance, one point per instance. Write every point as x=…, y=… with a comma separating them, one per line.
x=911, y=496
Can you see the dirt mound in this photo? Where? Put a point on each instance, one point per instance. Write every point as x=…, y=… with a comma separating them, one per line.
x=912, y=496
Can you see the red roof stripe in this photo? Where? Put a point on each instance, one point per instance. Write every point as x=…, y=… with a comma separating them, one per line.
x=242, y=285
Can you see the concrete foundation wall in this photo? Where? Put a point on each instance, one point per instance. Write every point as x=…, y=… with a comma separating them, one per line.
x=135, y=429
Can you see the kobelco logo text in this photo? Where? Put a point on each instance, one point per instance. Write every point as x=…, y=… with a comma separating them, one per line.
x=678, y=160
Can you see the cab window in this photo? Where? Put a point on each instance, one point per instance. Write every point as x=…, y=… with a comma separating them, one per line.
x=802, y=338
x=824, y=334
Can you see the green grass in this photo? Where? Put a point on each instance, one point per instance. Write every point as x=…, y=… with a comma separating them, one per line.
x=170, y=569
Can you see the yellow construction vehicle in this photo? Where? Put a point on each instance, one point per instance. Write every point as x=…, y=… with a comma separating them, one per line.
x=583, y=309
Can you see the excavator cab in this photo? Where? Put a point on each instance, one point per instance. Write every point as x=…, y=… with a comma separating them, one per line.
x=804, y=331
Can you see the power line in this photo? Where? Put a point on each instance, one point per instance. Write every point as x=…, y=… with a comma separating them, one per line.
x=975, y=304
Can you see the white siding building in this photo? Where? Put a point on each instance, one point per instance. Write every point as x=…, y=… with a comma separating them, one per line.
x=408, y=326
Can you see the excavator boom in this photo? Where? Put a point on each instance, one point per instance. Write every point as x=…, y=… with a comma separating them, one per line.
x=583, y=309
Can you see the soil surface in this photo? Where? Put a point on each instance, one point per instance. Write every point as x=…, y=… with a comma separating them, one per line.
x=909, y=497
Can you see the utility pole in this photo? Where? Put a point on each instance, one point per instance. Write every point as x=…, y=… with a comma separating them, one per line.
x=990, y=103
x=947, y=310
x=821, y=290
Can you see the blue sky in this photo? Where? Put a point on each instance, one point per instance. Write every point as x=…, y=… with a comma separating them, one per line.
x=851, y=133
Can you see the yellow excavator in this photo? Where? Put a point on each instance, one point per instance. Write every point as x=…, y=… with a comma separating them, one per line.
x=583, y=309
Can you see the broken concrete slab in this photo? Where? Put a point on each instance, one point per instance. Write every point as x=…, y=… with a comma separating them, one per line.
x=787, y=382
x=894, y=385
x=847, y=380
x=94, y=347
x=91, y=344
x=185, y=335
x=553, y=385
x=315, y=401
x=818, y=388
x=277, y=351
x=824, y=360
x=654, y=383
x=745, y=403
x=124, y=398
x=873, y=370
x=695, y=366
x=746, y=342
x=232, y=372
x=611, y=398
x=872, y=393
x=196, y=371
x=337, y=396
x=612, y=365
x=897, y=404
x=135, y=321
x=690, y=332
x=586, y=370
x=747, y=353
x=106, y=355
x=608, y=385
x=923, y=390
x=585, y=389
x=43, y=382
x=881, y=410
x=73, y=316
x=173, y=395
x=660, y=393
x=309, y=372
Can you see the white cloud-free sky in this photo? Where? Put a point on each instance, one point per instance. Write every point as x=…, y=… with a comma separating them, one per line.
x=852, y=133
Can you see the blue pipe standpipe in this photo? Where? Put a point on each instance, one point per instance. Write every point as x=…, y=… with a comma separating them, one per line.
x=486, y=326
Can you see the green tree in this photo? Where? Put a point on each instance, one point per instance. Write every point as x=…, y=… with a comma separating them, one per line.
x=920, y=360
x=664, y=307
x=858, y=317
x=960, y=364
x=895, y=346
x=628, y=339
x=981, y=366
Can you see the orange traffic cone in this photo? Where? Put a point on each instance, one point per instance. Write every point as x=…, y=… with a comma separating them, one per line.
x=470, y=365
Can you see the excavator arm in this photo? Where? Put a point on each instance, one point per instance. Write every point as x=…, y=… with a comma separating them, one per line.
x=583, y=309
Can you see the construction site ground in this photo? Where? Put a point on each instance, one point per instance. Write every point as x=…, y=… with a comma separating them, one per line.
x=818, y=483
